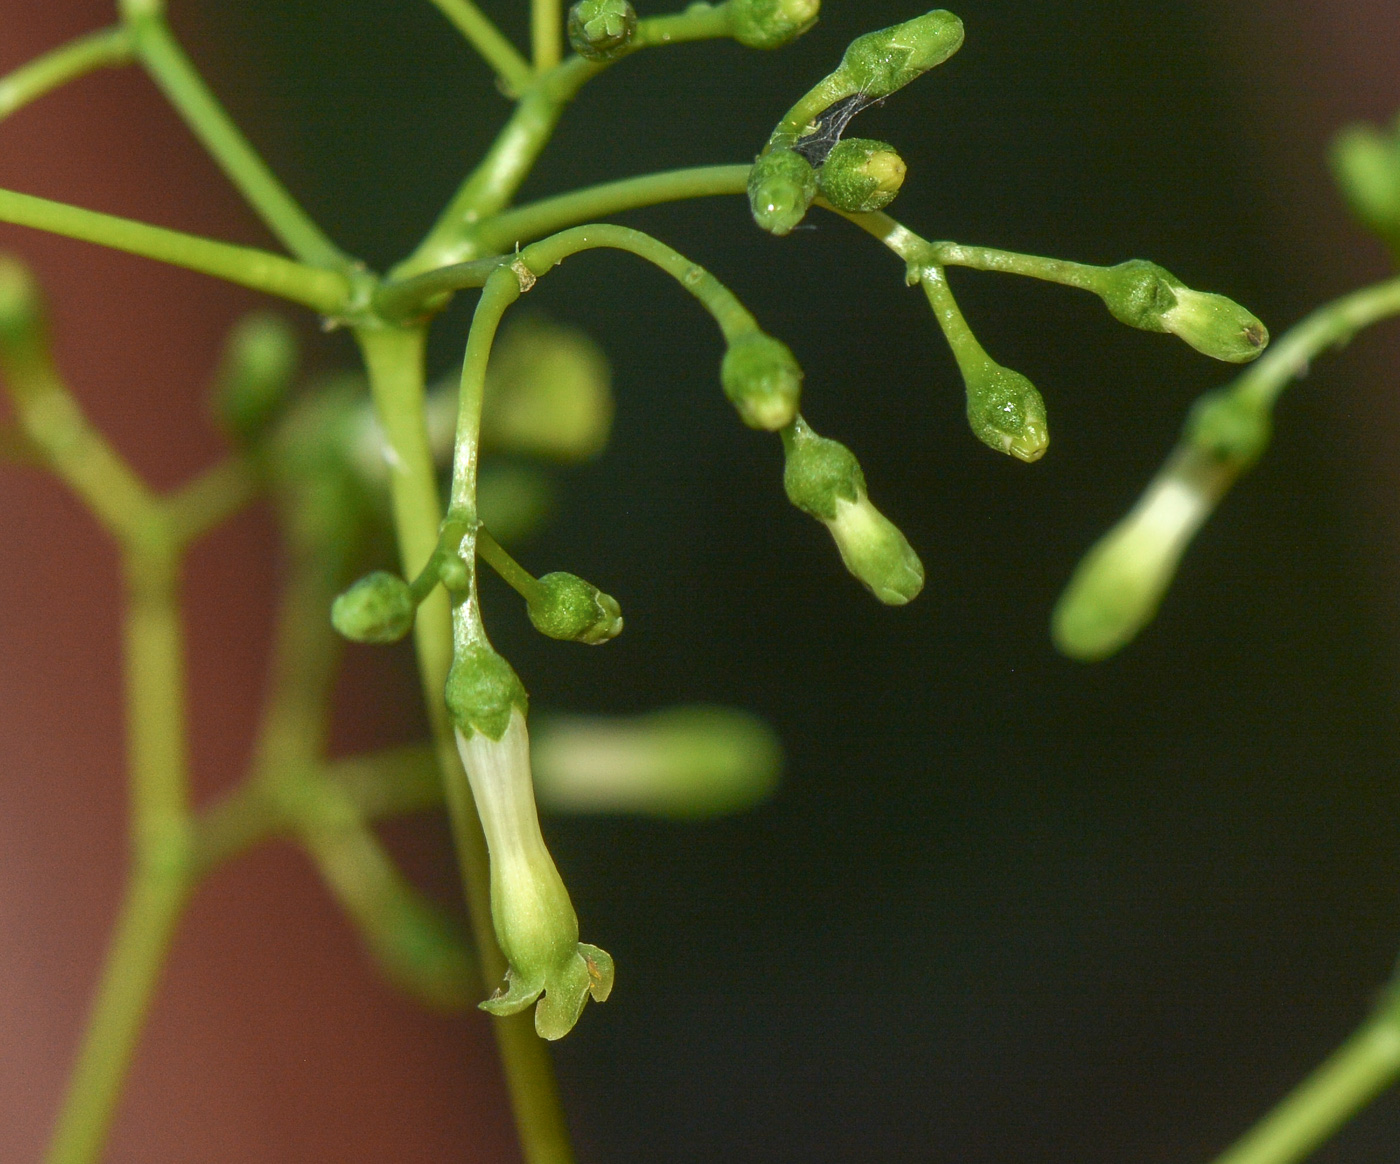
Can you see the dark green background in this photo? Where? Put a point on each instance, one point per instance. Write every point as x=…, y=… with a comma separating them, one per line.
x=1005, y=908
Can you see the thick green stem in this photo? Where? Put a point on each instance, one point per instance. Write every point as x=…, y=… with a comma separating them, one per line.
x=487, y=39
x=182, y=85
x=325, y=291
x=1360, y=1069
x=394, y=359
x=547, y=33
x=107, y=48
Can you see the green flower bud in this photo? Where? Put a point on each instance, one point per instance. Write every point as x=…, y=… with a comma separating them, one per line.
x=823, y=478
x=258, y=366
x=683, y=763
x=600, y=29
x=770, y=24
x=569, y=608
x=483, y=691
x=762, y=379
x=1005, y=411
x=782, y=186
x=23, y=322
x=1118, y=586
x=1230, y=428
x=548, y=393
x=376, y=609
x=1146, y=296
x=861, y=176
x=1366, y=165
x=533, y=917
x=879, y=63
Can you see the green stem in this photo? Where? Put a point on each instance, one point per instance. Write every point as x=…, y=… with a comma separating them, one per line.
x=498, y=52
x=394, y=360
x=515, y=575
x=503, y=231
x=210, y=499
x=547, y=33
x=970, y=354
x=1356, y=1073
x=107, y=48
x=1080, y=275
x=325, y=291
x=182, y=85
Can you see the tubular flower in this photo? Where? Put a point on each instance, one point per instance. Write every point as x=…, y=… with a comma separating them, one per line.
x=533, y=916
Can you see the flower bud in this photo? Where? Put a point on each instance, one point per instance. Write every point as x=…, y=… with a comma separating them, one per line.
x=548, y=393
x=1006, y=411
x=683, y=763
x=376, y=609
x=823, y=478
x=782, y=186
x=1230, y=428
x=23, y=321
x=1366, y=165
x=770, y=24
x=258, y=366
x=1146, y=296
x=533, y=917
x=1119, y=584
x=881, y=62
x=600, y=29
x=861, y=176
x=762, y=379
x=569, y=608
x=483, y=691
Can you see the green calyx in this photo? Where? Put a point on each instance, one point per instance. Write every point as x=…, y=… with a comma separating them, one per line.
x=1006, y=412
x=1232, y=429
x=762, y=379
x=818, y=472
x=782, y=186
x=378, y=608
x=1366, y=165
x=600, y=30
x=569, y=608
x=1139, y=293
x=257, y=370
x=860, y=176
x=1146, y=296
x=882, y=62
x=482, y=690
x=770, y=24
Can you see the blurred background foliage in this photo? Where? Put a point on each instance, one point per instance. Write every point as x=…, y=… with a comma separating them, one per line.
x=1004, y=907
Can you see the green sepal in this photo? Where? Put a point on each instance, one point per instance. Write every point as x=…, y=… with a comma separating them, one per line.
x=572, y=609
x=861, y=176
x=762, y=379
x=883, y=62
x=378, y=608
x=255, y=374
x=1366, y=166
x=1006, y=412
x=600, y=30
x=1139, y=293
x=482, y=690
x=782, y=187
x=770, y=24
x=1233, y=429
x=819, y=472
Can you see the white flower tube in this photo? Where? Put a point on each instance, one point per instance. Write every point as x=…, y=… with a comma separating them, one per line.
x=533, y=916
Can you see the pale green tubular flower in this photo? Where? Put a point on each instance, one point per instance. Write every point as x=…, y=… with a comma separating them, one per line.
x=534, y=919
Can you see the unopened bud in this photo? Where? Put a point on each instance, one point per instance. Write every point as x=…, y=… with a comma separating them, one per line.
x=782, y=187
x=1116, y=589
x=482, y=692
x=376, y=609
x=881, y=62
x=258, y=366
x=770, y=24
x=1005, y=411
x=22, y=314
x=861, y=176
x=762, y=379
x=1146, y=296
x=569, y=608
x=819, y=472
x=1366, y=165
x=600, y=29
x=1232, y=429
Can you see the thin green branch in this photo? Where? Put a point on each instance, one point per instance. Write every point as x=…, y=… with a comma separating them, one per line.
x=1360, y=1069
x=210, y=499
x=405, y=300
x=327, y=292
x=107, y=48
x=488, y=40
x=185, y=89
x=512, y=572
x=547, y=33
